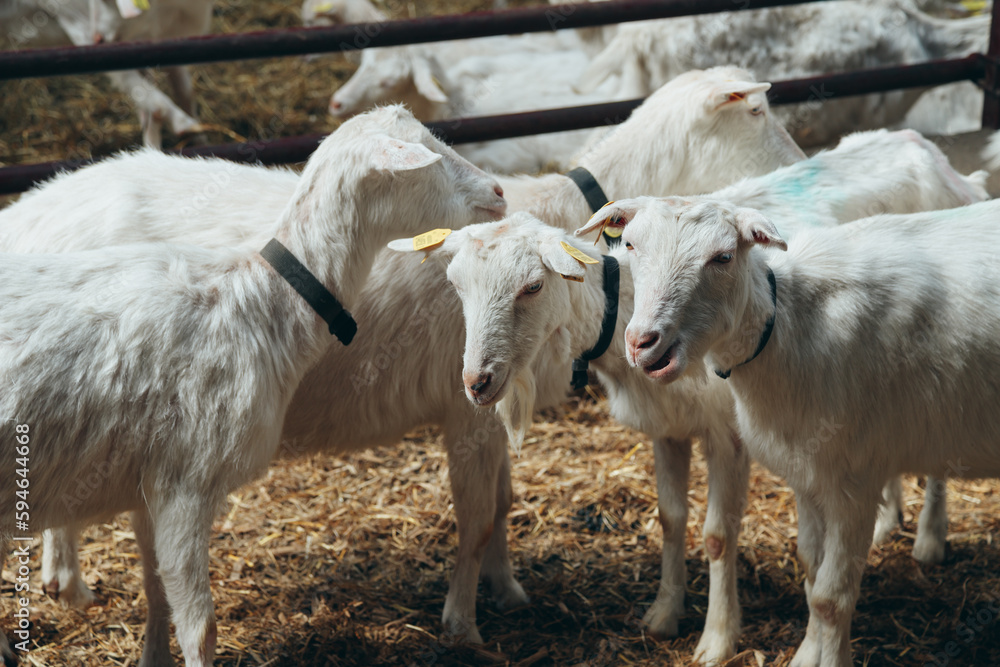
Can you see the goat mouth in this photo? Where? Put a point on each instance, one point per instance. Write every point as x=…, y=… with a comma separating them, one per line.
x=494, y=212
x=486, y=400
x=667, y=367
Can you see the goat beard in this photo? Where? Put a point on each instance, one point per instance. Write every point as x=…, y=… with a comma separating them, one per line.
x=516, y=409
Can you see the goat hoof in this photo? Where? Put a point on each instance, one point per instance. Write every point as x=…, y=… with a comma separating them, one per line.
x=929, y=551
x=660, y=623
x=885, y=526
x=808, y=654
x=714, y=649
x=512, y=597
x=461, y=632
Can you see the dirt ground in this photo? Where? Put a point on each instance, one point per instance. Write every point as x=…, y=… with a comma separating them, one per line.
x=345, y=561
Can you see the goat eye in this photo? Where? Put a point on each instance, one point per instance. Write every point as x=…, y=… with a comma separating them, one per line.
x=756, y=111
x=723, y=258
x=629, y=246
x=532, y=288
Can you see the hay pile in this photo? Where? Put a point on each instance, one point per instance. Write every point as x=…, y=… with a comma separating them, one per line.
x=345, y=561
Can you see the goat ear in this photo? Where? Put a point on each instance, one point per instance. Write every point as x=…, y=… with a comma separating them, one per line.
x=427, y=85
x=755, y=228
x=564, y=262
x=733, y=91
x=615, y=214
x=443, y=242
x=392, y=154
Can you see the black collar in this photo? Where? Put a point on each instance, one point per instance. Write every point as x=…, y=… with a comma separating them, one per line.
x=768, y=326
x=342, y=325
x=594, y=195
x=611, y=280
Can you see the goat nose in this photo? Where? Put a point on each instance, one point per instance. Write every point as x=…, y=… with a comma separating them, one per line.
x=497, y=189
x=477, y=382
x=640, y=341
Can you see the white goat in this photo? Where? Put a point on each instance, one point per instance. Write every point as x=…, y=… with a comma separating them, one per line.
x=516, y=308
x=701, y=131
x=183, y=360
x=521, y=73
x=899, y=312
x=84, y=22
x=48, y=23
x=947, y=110
x=793, y=41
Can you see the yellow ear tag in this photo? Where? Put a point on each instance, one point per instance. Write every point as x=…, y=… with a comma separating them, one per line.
x=430, y=240
x=613, y=231
x=325, y=7
x=577, y=254
x=604, y=225
x=141, y=4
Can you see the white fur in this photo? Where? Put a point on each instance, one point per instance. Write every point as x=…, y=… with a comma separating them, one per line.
x=509, y=330
x=155, y=377
x=406, y=371
x=952, y=109
x=794, y=41
x=511, y=334
x=83, y=22
x=491, y=76
x=882, y=361
x=991, y=153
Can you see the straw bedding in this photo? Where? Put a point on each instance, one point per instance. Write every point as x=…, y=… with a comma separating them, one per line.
x=345, y=561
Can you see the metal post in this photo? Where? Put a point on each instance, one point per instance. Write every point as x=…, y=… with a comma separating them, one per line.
x=991, y=79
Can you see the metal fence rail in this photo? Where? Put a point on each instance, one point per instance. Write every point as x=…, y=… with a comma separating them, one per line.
x=486, y=128
x=984, y=69
x=298, y=41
